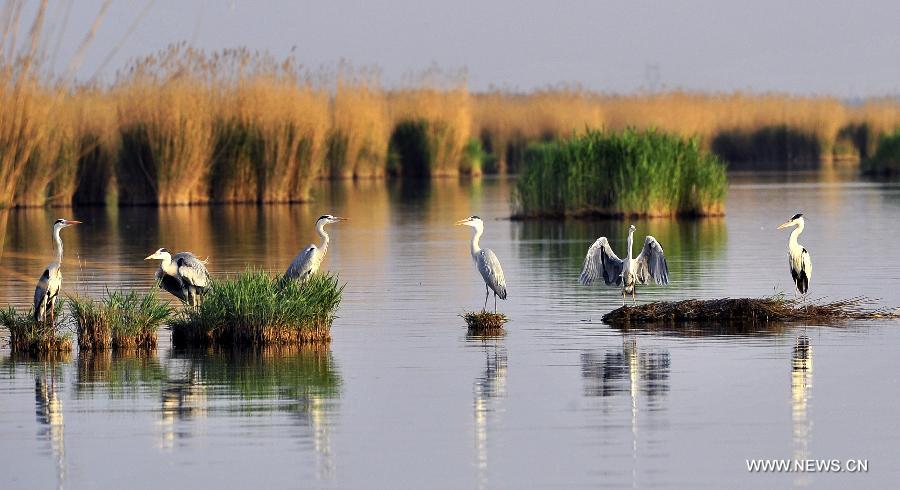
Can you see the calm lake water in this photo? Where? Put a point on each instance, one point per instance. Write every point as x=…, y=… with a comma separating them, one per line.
x=404, y=398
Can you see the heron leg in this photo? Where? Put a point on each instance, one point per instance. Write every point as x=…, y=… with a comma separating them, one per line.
x=486, y=294
x=495, y=302
x=623, y=298
x=633, y=300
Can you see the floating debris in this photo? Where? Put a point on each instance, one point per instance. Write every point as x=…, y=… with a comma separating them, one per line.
x=747, y=310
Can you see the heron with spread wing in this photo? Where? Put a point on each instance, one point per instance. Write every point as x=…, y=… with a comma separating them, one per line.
x=307, y=262
x=648, y=267
x=486, y=262
x=182, y=274
x=47, y=290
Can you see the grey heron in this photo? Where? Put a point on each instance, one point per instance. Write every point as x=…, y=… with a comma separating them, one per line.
x=182, y=274
x=648, y=267
x=48, y=285
x=486, y=262
x=798, y=258
x=307, y=262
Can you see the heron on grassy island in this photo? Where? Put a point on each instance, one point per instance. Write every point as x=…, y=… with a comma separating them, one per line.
x=798, y=258
x=486, y=262
x=48, y=285
x=182, y=274
x=648, y=267
x=307, y=262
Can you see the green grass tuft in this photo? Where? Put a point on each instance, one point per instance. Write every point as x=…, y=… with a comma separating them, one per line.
x=32, y=337
x=621, y=174
x=256, y=309
x=886, y=160
x=121, y=320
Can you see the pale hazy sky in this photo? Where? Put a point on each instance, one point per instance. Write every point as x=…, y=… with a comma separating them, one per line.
x=827, y=47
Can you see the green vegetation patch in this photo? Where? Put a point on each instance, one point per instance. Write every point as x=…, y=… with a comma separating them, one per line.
x=121, y=320
x=256, y=309
x=621, y=174
x=26, y=335
x=886, y=160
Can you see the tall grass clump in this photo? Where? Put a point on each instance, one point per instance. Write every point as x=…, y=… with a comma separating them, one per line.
x=120, y=320
x=26, y=335
x=618, y=174
x=886, y=160
x=270, y=130
x=431, y=129
x=165, y=108
x=255, y=309
x=360, y=127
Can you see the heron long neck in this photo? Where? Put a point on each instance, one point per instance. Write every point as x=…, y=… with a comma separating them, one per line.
x=475, y=237
x=320, y=227
x=169, y=266
x=796, y=234
x=630, y=243
x=58, y=241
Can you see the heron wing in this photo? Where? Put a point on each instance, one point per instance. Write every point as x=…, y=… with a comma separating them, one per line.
x=601, y=261
x=191, y=269
x=172, y=284
x=302, y=265
x=651, y=263
x=41, y=295
x=489, y=267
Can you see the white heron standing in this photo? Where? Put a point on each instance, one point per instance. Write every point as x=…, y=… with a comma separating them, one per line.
x=48, y=285
x=182, y=274
x=486, y=262
x=798, y=258
x=648, y=267
x=307, y=262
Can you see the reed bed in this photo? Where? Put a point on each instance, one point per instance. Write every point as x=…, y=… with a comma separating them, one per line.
x=886, y=160
x=615, y=174
x=121, y=320
x=185, y=126
x=431, y=129
x=256, y=309
x=746, y=310
x=478, y=321
x=28, y=336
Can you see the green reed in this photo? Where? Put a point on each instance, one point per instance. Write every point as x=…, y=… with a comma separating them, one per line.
x=618, y=174
x=886, y=160
x=121, y=320
x=36, y=337
x=256, y=309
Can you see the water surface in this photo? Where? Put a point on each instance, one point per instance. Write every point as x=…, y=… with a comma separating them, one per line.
x=403, y=397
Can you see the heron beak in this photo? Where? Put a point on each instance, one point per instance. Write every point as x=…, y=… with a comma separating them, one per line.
x=70, y=222
x=785, y=225
x=341, y=219
x=149, y=257
x=461, y=222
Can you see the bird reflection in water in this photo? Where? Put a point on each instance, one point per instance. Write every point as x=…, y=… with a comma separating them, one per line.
x=487, y=390
x=313, y=412
x=614, y=372
x=801, y=382
x=49, y=414
x=183, y=398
